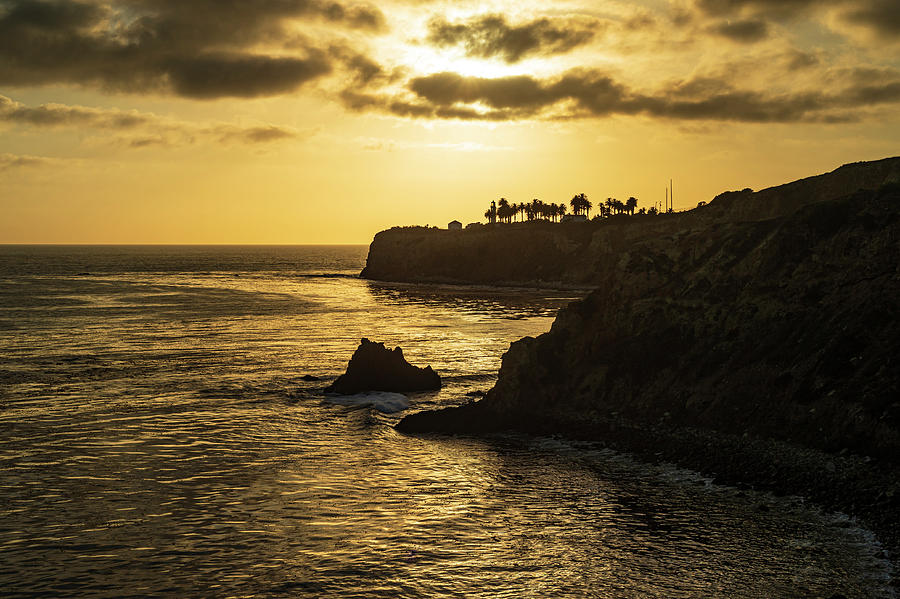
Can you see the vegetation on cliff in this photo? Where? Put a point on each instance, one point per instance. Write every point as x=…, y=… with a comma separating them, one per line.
x=505, y=211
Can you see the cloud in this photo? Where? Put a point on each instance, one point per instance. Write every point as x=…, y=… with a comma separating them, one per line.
x=236, y=75
x=61, y=115
x=145, y=129
x=199, y=49
x=744, y=31
x=880, y=18
x=584, y=93
x=771, y=8
x=13, y=161
x=254, y=135
x=490, y=36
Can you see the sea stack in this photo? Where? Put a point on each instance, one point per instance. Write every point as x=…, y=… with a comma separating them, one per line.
x=373, y=367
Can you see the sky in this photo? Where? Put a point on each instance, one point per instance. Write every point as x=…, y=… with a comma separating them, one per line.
x=325, y=121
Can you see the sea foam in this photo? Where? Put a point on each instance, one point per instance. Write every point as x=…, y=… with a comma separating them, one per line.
x=382, y=401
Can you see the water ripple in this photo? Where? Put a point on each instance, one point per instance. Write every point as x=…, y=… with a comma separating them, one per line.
x=156, y=438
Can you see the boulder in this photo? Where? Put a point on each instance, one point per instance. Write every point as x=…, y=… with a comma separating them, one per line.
x=373, y=367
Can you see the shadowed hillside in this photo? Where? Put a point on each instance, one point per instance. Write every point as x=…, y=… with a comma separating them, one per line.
x=762, y=351
x=579, y=254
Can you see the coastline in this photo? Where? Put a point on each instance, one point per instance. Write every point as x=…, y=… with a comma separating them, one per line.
x=760, y=352
x=866, y=491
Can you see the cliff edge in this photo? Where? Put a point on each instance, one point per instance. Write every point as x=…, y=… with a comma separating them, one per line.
x=545, y=254
x=761, y=351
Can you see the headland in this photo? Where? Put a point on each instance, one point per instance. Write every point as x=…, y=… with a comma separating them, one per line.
x=756, y=338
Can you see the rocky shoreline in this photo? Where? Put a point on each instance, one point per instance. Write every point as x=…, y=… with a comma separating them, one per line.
x=855, y=485
x=761, y=352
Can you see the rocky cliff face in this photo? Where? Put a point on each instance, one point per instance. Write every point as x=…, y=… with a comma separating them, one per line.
x=542, y=254
x=787, y=328
x=706, y=339
x=579, y=254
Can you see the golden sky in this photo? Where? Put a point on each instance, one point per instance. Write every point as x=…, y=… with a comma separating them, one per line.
x=325, y=121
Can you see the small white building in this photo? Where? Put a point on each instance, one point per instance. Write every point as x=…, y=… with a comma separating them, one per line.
x=454, y=225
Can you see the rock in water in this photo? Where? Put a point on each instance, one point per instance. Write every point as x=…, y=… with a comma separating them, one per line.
x=373, y=367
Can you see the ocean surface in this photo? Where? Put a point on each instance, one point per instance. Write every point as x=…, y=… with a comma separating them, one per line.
x=158, y=438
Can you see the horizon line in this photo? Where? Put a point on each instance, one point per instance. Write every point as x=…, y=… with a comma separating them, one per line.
x=73, y=244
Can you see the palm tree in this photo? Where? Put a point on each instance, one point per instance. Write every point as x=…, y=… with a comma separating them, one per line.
x=503, y=209
x=631, y=204
x=580, y=204
x=576, y=204
x=561, y=210
x=491, y=213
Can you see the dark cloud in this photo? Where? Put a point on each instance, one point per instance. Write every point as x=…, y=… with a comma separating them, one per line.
x=360, y=69
x=591, y=94
x=506, y=92
x=242, y=75
x=773, y=8
x=745, y=31
x=198, y=49
x=489, y=36
x=796, y=60
x=881, y=17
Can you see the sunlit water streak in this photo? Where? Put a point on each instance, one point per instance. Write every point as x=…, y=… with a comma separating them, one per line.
x=156, y=438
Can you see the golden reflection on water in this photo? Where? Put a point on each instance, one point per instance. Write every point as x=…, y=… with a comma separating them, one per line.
x=156, y=437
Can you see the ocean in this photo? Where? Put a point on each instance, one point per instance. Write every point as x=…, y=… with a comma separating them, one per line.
x=164, y=433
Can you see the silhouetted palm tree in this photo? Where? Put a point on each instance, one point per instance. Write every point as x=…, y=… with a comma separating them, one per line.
x=491, y=213
x=575, y=202
x=503, y=209
x=631, y=204
x=580, y=204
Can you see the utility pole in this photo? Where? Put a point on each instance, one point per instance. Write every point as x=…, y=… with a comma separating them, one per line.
x=671, y=196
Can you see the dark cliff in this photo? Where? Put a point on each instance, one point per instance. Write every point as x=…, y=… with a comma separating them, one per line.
x=578, y=254
x=762, y=351
x=541, y=254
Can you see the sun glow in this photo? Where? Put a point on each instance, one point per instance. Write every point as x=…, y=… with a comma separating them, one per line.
x=426, y=61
